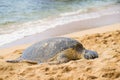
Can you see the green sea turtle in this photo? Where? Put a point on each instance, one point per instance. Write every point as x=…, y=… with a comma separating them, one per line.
x=55, y=50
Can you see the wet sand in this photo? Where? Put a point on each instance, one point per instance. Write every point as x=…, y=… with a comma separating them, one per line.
x=105, y=40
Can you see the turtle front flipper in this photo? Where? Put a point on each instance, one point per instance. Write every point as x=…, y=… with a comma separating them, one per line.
x=89, y=54
x=60, y=58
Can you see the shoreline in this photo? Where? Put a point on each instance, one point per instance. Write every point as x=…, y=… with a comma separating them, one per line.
x=77, y=34
x=63, y=29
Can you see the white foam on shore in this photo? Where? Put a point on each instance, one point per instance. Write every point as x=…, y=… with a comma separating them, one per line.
x=34, y=27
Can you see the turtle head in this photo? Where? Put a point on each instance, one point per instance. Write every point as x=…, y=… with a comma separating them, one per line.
x=89, y=54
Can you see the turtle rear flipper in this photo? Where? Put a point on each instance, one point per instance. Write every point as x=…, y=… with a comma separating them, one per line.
x=15, y=61
x=21, y=60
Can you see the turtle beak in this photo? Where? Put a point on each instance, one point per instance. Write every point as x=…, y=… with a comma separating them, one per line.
x=89, y=54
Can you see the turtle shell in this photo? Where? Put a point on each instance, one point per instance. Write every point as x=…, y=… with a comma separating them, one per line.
x=46, y=49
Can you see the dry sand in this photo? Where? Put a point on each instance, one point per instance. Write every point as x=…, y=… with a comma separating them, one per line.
x=104, y=40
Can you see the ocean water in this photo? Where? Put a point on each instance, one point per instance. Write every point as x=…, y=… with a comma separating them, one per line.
x=20, y=18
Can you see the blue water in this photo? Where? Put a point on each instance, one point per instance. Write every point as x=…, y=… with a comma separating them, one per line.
x=20, y=18
x=17, y=11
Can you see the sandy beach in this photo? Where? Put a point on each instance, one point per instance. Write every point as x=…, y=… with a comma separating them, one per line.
x=105, y=40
